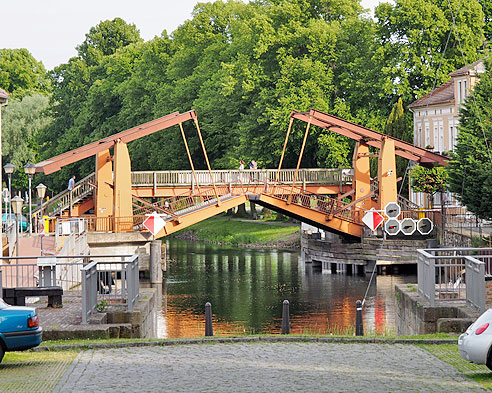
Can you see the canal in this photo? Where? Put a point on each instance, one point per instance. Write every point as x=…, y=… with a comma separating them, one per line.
x=247, y=286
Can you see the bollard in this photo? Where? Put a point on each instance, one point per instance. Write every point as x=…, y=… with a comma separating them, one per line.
x=285, y=318
x=359, y=327
x=209, y=330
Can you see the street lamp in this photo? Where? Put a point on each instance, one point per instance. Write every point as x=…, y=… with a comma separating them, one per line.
x=30, y=169
x=41, y=190
x=9, y=169
x=17, y=203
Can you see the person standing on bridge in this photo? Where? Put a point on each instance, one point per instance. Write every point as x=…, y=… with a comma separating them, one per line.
x=71, y=183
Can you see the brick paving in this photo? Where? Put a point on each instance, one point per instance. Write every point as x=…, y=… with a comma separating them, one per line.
x=261, y=367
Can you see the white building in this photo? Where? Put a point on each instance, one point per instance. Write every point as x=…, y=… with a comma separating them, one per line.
x=435, y=117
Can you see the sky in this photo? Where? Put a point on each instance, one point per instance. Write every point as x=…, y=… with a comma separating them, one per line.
x=51, y=29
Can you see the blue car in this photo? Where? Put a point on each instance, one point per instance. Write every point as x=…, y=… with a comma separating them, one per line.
x=19, y=328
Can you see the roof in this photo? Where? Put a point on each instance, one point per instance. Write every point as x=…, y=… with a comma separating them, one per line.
x=443, y=94
x=4, y=96
x=476, y=67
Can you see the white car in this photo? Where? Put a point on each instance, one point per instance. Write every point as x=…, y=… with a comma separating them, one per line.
x=475, y=345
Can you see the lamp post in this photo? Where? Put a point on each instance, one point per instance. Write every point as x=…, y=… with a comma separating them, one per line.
x=4, y=99
x=9, y=169
x=41, y=190
x=17, y=203
x=30, y=169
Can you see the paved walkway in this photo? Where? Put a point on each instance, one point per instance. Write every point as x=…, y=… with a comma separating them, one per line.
x=264, y=367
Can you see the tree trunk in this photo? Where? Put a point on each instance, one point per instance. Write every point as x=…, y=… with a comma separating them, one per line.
x=241, y=211
x=253, y=210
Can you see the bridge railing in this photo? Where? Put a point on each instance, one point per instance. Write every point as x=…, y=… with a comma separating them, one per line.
x=260, y=176
x=322, y=203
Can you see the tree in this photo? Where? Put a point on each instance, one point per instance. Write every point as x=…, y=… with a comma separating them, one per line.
x=105, y=39
x=21, y=74
x=487, y=10
x=470, y=170
x=413, y=34
x=21, y=123
x=429, y=180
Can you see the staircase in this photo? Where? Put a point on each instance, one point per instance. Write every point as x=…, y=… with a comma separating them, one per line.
x=56, y=206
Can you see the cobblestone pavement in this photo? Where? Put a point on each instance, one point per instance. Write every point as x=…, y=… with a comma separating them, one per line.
x=264, y=367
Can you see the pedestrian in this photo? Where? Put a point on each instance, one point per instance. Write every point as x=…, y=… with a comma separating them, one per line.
x=241, y=165
x=71, y=183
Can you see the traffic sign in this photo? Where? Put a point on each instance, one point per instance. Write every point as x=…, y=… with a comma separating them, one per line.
x=392, y=227
x=425, y=226
x=392, y=210
x=408, y=226
x=154, y=223
x=372, y=219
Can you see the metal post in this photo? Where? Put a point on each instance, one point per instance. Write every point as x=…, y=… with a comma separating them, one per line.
x=30, y=205
x=283, y=151
x=206, y=159
x=285, y=318
x=359, y=327
x=189, y=157
x=299, y=160
x=209, y=331
x=10, y=197
x=17, y=250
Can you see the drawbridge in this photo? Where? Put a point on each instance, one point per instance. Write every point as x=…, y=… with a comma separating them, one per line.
x=332, y=199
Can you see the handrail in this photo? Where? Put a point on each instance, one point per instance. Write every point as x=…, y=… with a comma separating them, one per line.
x=81, y=189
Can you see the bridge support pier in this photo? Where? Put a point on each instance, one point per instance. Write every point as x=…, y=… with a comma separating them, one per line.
x=370, y=266
x=155, y=263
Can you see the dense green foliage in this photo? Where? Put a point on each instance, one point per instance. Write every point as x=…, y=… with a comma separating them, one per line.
x=245, y=67
x=471, y=167
x=237, y=232
x=429, y=180
x=21, y=74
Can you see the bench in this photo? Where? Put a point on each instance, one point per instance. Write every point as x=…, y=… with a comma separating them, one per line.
x=17, y=296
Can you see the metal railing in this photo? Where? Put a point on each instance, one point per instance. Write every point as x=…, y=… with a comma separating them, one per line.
x=322, y=203
x=66, y=199
x=116, y=277
x=186, y=178
x=453, y=274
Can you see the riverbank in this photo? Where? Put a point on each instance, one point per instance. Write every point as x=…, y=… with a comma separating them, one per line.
x=244, y=233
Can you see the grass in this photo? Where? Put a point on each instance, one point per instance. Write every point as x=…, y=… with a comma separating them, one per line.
x=33, y=371
x=219, y=230
x=449, y=354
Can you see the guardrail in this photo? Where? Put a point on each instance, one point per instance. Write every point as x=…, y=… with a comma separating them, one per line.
x=260, y=176
x=116, y=281
x=453, y=274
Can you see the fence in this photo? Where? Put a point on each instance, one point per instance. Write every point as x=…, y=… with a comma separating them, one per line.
x=113, y=281
x=454, y=274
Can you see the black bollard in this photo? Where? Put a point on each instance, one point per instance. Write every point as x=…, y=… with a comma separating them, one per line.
x=359, y=327
x=209, y=330
x=285, y=318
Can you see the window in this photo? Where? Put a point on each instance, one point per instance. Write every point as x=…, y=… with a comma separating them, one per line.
x=436, y=137
x=459, y=92
x=451, y=136
x=427, y=134
x=417, y=140
x=464, y=89
x=441, y=136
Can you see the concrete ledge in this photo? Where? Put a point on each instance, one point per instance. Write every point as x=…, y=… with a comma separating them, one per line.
x=453, y=325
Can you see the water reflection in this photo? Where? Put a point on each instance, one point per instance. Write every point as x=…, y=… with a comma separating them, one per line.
x=247, y=286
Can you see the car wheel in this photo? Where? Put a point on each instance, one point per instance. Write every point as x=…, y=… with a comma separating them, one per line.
x=489, y=359
x=2, y=352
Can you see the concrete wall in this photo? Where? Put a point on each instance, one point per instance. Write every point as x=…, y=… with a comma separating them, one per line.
x=415, y=316
x=143, y=316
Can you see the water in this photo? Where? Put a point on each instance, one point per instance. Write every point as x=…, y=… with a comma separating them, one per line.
x=247, y=287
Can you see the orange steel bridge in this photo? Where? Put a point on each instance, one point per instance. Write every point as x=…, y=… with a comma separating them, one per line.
x=119, y=197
